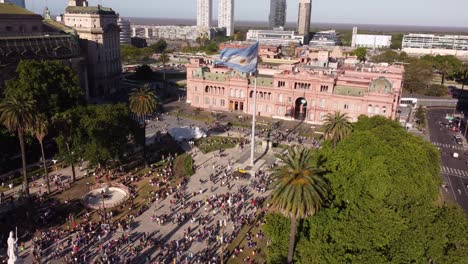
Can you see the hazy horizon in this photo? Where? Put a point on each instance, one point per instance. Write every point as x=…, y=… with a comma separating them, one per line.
x=290, y=24
x=447, y=13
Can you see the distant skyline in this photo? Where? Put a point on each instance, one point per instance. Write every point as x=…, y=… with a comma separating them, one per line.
x=396, y=12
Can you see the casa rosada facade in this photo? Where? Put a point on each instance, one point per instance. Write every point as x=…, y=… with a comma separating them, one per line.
x=295, y=92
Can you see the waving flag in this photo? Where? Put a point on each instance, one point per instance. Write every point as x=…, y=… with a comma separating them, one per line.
x=243, y=60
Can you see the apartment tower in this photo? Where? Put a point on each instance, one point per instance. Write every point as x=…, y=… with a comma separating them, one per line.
x=204, y=8
x=226, y=16
x=277, y=13
x=303, y=19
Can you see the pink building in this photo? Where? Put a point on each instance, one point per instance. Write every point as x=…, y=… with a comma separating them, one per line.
x=297, y=93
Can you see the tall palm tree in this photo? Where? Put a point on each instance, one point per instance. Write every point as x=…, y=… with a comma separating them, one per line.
x=337, y=126
x=16, y=114
x=39, y=130
x=298, y=189
x=142, y=103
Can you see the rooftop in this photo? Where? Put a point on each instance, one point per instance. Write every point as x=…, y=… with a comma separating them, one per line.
x=90, y=9
x=11, y=9
x=57, y=25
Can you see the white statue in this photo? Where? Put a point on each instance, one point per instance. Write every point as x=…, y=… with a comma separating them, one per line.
x=12, y=257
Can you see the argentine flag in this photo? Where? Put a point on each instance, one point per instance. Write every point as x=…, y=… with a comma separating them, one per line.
x=243, y=60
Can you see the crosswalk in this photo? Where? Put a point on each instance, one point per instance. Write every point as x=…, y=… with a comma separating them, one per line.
x=453, y=171
x=445, y=145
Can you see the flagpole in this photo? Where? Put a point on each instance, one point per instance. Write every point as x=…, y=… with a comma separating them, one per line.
x=254, y=115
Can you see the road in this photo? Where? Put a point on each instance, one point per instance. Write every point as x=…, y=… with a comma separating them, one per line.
x=454, y=171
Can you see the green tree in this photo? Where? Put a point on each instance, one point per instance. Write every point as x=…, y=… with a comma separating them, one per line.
x=384, y=202
x=142, y=103
x=159, y=47
x=164, y=58
x=39, y=130
x=17, y=115
x=96, y=133
x=360, y=53
x=420, y=116
x=337, y=127
x=50, y=84
x=418, y=76
x=445, y=65
x=435, y=90
x=143, y=73
x=390, y=56
x=397, y=40
x=298, y=189
x=66, y=125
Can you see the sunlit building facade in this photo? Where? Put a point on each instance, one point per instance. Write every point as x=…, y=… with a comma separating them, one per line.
x=292, y=92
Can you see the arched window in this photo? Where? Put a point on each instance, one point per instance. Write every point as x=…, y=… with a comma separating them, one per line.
x=237, y=93
x=251, y=94
x=207, y=89
x=242, y=94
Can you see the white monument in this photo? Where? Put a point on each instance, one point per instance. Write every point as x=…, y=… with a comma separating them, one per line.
x=12, y=255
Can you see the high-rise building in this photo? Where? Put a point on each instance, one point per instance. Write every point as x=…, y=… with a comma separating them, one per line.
x=226, y=16
x=98, y=31
x=277, y=13
x=303, y=18
x=15, y=2
x=204, y=8
x=125, y=31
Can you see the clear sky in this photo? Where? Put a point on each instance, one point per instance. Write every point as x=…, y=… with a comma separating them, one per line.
x=390, y=12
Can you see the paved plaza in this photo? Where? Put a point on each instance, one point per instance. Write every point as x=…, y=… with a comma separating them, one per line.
x=185, y=224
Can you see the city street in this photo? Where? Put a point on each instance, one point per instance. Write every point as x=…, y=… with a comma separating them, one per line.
x=454, y=171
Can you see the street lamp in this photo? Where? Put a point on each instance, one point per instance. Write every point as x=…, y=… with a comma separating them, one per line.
x=222, y=224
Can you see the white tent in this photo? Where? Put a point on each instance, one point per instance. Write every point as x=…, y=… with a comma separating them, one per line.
x=187, y=133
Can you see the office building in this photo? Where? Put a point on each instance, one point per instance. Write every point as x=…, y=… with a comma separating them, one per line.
x=277, y=17
x=430, y=44
x=226, y=16
x=204, y=17
x=19, y=3
x=97, y=28
x=274, y=37
x=125, y=31
x=292, y=92
x=327, y=38
x=303, y=18
x=370, y=41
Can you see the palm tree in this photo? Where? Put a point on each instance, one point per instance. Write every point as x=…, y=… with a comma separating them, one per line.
x=298, y=189
x=142, y=103
x=16, y=114
x=39, y=130
x=337, y=126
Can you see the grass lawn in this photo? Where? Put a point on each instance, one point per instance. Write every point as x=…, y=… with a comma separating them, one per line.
x=241, y=242
x=214, y=143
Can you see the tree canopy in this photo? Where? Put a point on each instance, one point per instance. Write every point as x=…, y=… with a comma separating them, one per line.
x=51, y=84
x=418, y=76
x=143, y=73
x=445, y=65
x=384, y=204
x=159, y=47
x=98, y=133
x=360, y=53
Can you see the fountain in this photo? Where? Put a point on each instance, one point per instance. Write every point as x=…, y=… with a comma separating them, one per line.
x=105, y=195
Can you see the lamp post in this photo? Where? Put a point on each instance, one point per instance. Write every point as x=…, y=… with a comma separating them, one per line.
x=222, y=224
